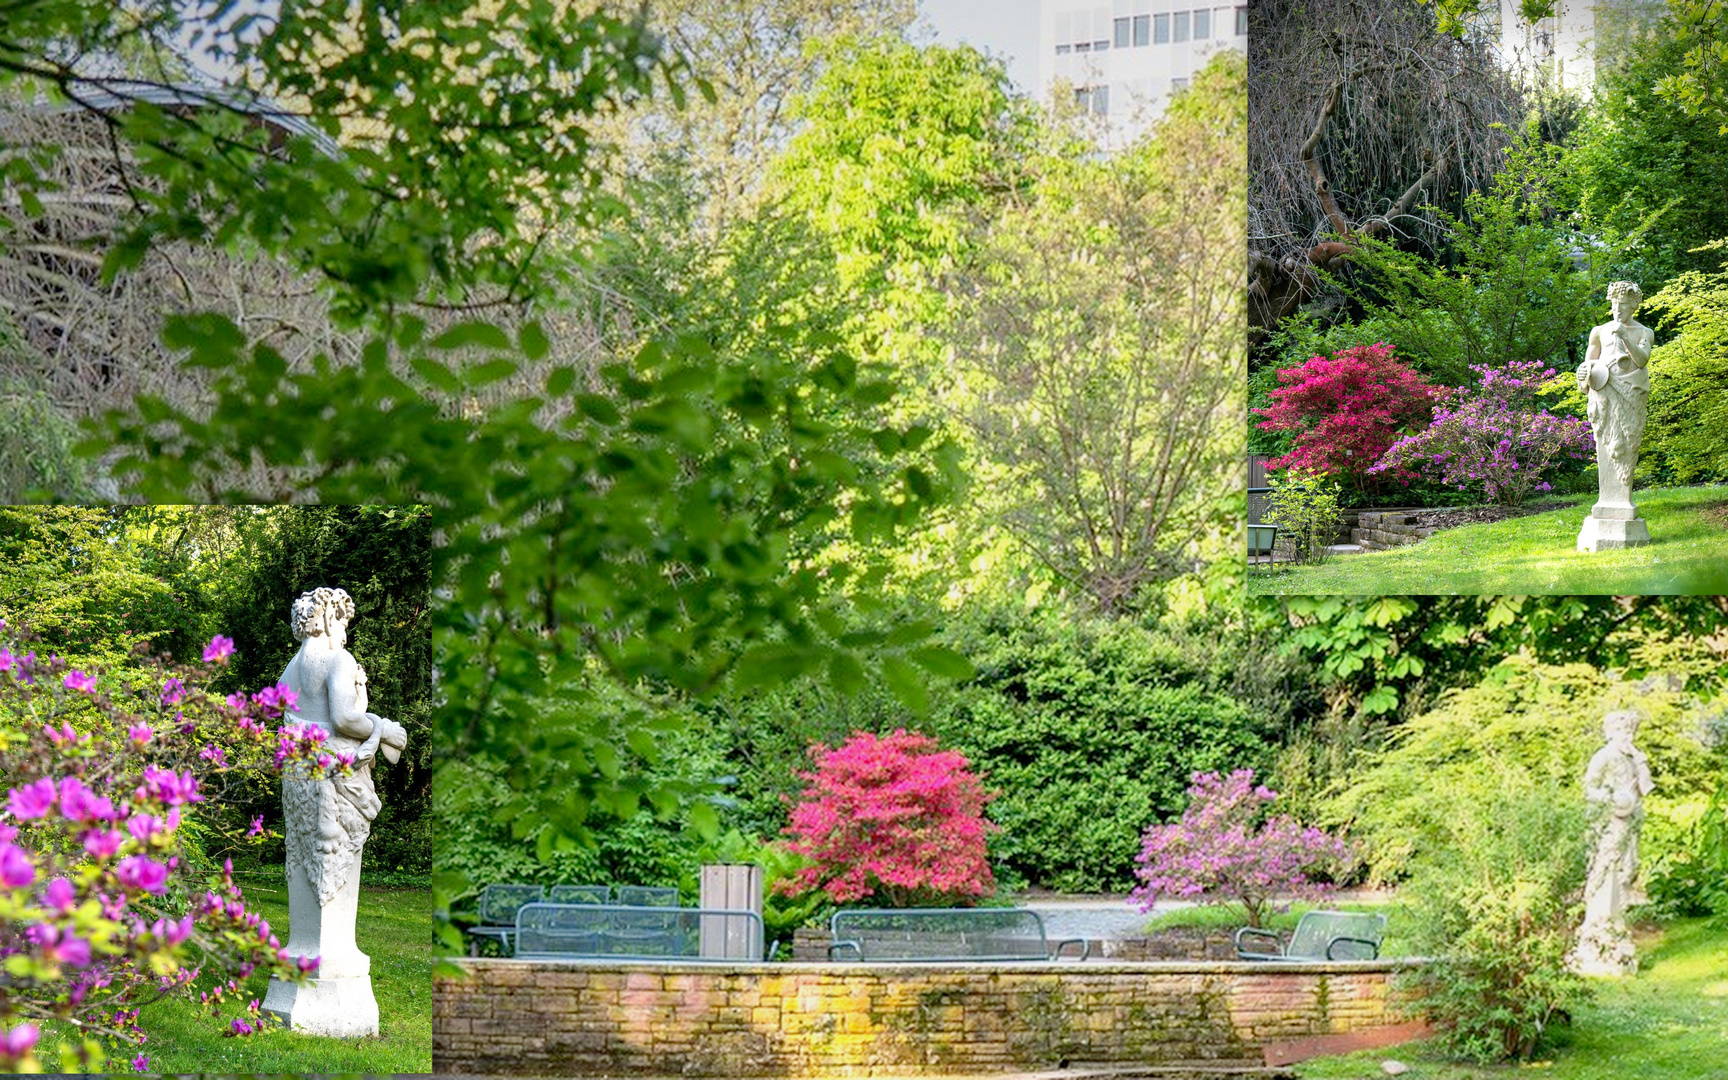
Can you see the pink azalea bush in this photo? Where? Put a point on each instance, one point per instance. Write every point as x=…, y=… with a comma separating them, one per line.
x=1494, y=434
x=894, y=818
x=1346, y=409
x=1225, y=847
x=101, y=911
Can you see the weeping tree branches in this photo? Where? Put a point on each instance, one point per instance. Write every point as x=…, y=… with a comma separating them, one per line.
x=1358, y=110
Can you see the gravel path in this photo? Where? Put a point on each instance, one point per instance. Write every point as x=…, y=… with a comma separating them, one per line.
x=1094, y=917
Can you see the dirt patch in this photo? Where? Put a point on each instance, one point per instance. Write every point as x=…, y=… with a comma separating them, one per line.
x=1450, y=517
x=1717, y=512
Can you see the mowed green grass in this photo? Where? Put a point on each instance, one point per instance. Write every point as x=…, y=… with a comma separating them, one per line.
x=1668, y=1022
x=1688, y=553
x=394, y=929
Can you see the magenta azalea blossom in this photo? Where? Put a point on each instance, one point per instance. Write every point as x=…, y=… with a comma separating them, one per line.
x=19, y=1040
x=16, y=869
x=219, y=650
x=60, y=894
x=173, y=691
x=32, y=800
x=77, y=680
x=103, y=843
x=142, y=873
x=140, y=733
x=140, y=1064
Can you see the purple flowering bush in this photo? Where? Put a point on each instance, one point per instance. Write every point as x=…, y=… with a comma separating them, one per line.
x=101, y=909
x=1226, y=848
x=1494, y=433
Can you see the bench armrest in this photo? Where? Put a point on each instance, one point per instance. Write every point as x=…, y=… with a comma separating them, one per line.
x=1373, y=947
x=856, y=949
x=1243, y=952
x=1084, y=944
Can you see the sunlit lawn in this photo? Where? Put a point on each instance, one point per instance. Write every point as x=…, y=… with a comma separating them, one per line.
x=1688, y=553
x=394, y=929
x=1669, y=1022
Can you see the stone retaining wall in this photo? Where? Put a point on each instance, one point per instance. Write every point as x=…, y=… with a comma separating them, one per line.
x=1377, y=530
x=581, y=1018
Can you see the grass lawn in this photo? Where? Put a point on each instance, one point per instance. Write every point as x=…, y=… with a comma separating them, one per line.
x=1688, y=553
x=1668, y=1022
x=394, y=929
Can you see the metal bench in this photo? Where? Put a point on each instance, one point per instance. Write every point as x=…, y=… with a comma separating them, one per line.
x=944, y=934
x=579, y=894
x=1320, y=935
x=547, y=931
x=498, y=905
x=644, y=896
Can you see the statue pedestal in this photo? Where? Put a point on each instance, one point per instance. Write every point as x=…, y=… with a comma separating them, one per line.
x=341, y=1007
x=338, y=999
x=1610, y=526
x=1605, y=950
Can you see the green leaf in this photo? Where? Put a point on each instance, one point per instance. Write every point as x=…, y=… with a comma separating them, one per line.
x=943, y=661
x=532, y=338
x=705, y=820
x=560, y=381
x=464, y=335
x=846, y=673
x=598, y=409
x=906, y=684
x=1382, y=699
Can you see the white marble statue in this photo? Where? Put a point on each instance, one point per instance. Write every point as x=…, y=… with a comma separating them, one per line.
x=1615, y=783
x=1614, y=376
x=326, y=822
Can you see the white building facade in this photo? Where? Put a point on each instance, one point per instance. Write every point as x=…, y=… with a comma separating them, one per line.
x=1122, y=59
x=1566, y=48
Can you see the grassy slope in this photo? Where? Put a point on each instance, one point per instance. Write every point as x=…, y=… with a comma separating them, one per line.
x=1669, y=1022
x=394, y=929
x=1688, y=553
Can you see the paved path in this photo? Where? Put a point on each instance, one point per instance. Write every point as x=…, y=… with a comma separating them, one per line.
x=1093, y=917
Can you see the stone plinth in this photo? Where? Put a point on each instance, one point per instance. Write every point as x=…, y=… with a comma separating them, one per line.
x=1613, y=526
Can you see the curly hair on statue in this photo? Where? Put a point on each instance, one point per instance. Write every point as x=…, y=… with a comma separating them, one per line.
x=308, y=611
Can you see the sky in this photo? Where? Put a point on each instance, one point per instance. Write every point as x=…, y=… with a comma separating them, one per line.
x=1006, y=29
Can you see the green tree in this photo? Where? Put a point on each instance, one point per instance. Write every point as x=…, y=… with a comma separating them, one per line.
x=1101, y=328
x=1688, y=426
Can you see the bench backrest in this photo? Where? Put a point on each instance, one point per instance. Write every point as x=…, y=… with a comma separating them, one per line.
x=614, y=931
x=957, y=934
x=579, y=894
x=1316, y=931
x=645, y=896
x=498, y=903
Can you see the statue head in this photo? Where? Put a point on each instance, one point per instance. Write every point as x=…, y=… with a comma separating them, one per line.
x=323, y=612
x=1619, y=727
x=1624, y=298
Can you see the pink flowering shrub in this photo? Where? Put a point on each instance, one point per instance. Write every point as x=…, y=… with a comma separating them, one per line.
x=1346, y=409
x=1226, y=848
x=893, y=818
x=1495, y=434
x=100, y=911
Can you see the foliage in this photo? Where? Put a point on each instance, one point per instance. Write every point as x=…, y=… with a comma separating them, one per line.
x=101, y=893
x=36, y=444
x=1492, y=434
x=1346, y=409
x=1304, y=505
x=1099, y=342
x=1493, y=899
x=1638, y=153
x=1688, y=422
x=381, y=556
x=1516, y=294
x=891, y=818
x=1693, y=879
x=1702, y=88
x=1226, y=847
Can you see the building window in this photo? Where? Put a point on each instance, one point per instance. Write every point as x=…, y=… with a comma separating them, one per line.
x=1180, y=25
x=1084, y=46
x=1142, y=29
x=1120, y=26
x=1100, y=101
x=1178, y=84
x=1101, y=46
x=1160, y=29
x=1241, y=22
x=1064, y=50
x=1202, y=24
